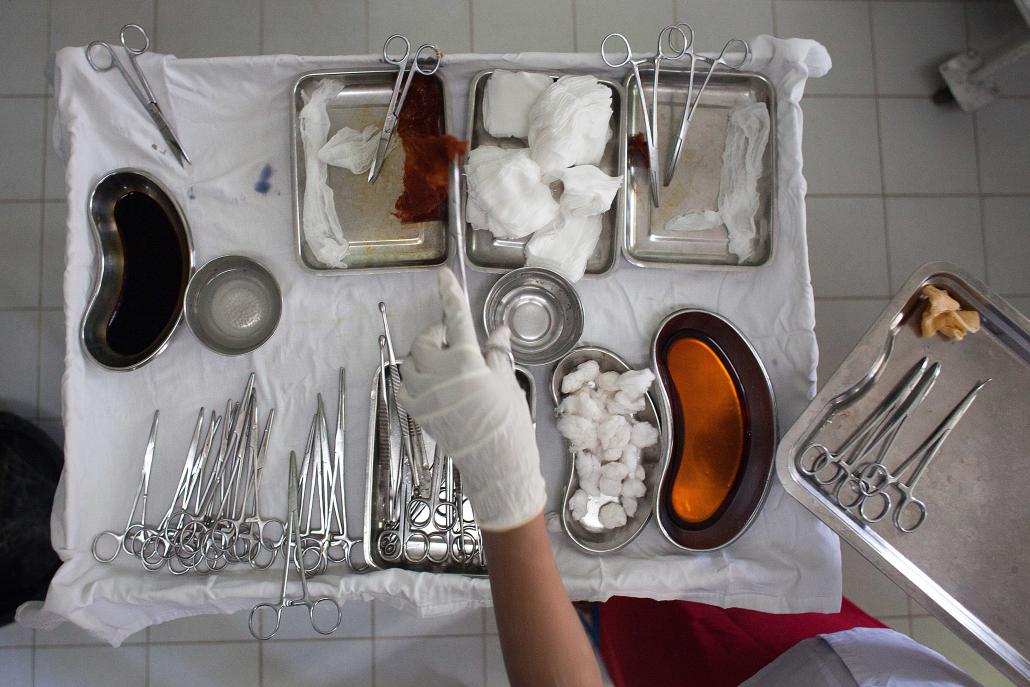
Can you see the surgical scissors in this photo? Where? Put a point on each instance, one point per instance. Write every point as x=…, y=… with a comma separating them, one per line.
x=133, y=531
x=400, y=90
x=285, y=601
x=616, y=60
x=689, y=109
x=142, y=89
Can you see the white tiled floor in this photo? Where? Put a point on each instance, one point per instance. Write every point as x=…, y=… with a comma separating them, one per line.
x=893, y=179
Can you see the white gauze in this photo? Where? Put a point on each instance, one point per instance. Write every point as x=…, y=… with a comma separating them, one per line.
x=505, y=194
x=351, y=149
x=322, y=230
x=746, y=138
x=507, y=100
x=588, y=190
x=567, y=247
x=568, y=124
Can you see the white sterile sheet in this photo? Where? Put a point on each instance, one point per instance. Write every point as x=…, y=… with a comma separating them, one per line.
x=232, y=116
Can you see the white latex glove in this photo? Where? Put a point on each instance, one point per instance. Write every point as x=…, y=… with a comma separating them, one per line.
x=471, y=403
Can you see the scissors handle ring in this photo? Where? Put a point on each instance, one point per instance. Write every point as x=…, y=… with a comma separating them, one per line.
x=363, y=565
x=605, y=55
x=404, y=56
x=899, y=513
x=101, y=45
x=726, y=49
x=433, y=61
x=885, y=503
x=123, y=37
x=255, y=615
x=665, y=41
x=324, y=630
x=118, y=538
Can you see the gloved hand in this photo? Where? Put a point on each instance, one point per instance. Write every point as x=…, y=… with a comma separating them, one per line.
x=471, y=403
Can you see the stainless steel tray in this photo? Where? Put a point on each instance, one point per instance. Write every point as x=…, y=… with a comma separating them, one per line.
x=695, y=185
x=378, y=240
x=968, y=562
x=490, y=254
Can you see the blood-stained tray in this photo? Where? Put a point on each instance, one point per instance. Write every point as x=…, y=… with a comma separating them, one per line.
x=968, y=561
x=695, y=184
x=490, y=254
x=378, y=240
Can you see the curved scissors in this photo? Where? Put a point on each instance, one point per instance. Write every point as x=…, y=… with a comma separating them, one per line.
x=141, y=90
x=723, y=60
x=430, y=63
x=617, y=59
x=304, y=599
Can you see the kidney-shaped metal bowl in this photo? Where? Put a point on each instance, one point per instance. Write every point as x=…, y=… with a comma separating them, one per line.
x=144, y=261
x=651, y=458
x=743, y=501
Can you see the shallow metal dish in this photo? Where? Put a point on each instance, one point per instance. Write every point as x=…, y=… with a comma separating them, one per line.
x=233, y=304
x=542, y=310
x=695, y=185
x=378, y=241
x=651, y=458
x=968, y=562
x=140, y=281
x=490, y=254
x=741, y=505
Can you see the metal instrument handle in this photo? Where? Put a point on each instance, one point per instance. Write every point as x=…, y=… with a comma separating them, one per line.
x=615, y=63
x=123, y=36
x=665, y=40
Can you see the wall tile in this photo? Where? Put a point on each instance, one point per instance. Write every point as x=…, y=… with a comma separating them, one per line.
x=847, y=246
x=444, y=23
x=844, y=28
x=53, y=163
x=391, y=622
x=496, y=675
x=911, y=40
x=497, y=26
x=54, y=233
x=640, y=22
x=1007, y=234
x=315, y=27
x=51, y=363
x=1004, y=146
x=203, y=628
x=23, y=47
x=223, y=664
x=98, y=666
x=444, y=661
x=69, y=633
x=925, y=229
x=16, y=667
x=14, y=634
x=19, y=349
x=346, y=663
x=926, y=148
x=840, y=146
x=21, y=140
x=200, y=28
x=716, y=21
x=20, y=227
x=71, y=26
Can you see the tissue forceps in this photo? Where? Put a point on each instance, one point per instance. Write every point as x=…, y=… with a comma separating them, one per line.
x=689, y=109
x=616, y=60
x=286, y=601
x=400, y=90
x=142, y=89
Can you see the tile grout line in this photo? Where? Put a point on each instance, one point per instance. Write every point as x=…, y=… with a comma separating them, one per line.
x=472, y=26
x=575, y=32
x=979, y=168
x=368, y=26
x=374, y=642
x=261, y=32
x=146, y=662
x=42, y=193
x=154, y=29
x=879, y=150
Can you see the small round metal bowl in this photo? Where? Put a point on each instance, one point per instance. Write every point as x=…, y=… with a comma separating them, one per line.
x=233, y=304
x=542, y=310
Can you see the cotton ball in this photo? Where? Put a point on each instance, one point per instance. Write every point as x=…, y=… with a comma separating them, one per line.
x=614, y=471
x=586, y=463
x=612, y=515
x=575, y=380
x=569, y=406
x=588, y=406
x=611, y=454
x=630, y=458
x=608, y=381
x=609, y=486
x=578, y=504
x=580, y=432
x=643, y=434
x=629, y=504
x=634, y=488
x=639, y=473
x=614, y=432
x=622, y=404
x=635, y=382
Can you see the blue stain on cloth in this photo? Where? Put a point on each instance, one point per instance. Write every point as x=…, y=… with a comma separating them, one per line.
x=263, y=184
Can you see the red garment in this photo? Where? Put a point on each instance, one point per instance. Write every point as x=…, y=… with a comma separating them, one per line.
x=656, y=643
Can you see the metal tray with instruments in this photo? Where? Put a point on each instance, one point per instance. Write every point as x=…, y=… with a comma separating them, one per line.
x=378, y=240
x=490, y=254
x=967, y=561
x=695, y=184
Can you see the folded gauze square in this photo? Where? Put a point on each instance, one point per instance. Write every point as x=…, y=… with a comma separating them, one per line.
x=568, y=124
x=508, y=99
x=505, y=194
x=567, y=247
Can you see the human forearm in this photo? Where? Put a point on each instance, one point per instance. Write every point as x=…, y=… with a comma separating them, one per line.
x=541, y=636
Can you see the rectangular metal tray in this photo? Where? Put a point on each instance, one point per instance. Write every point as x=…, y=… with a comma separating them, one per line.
x=695, y=185
x=378, y=240
x=490, y=254
x=968, y=562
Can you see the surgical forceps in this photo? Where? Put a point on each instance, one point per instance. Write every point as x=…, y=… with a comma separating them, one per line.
x=400, y=92
x=286, y=601
x=689, y=109
x=142, y=89
x=921, y=458
x=412, y=442
x=616, y=60
x=133, y=531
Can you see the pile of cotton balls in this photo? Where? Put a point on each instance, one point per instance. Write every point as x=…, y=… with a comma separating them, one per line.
x=596, y=416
